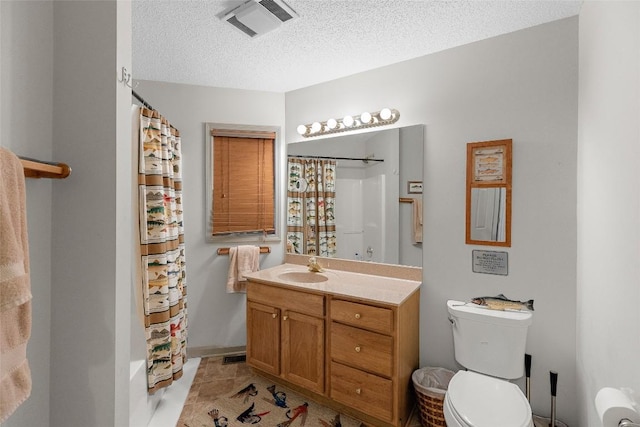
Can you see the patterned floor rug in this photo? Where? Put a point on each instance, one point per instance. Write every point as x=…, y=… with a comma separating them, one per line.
x=262, y=403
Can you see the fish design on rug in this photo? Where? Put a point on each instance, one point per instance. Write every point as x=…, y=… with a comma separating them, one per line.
x=250, y=417
x=279, y=397
x=335, y=422
x=217, y=420
x=503, y=303
x=248, y=391
x=299, y=411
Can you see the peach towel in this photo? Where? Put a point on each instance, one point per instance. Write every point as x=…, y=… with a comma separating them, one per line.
x=417, y=220
x=15, y=287
x=242, y=259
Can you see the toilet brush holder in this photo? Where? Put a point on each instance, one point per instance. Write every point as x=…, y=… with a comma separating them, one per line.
x=527, y=370
x=550, y=422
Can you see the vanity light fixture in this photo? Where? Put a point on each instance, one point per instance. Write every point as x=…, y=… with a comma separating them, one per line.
x=348, y=121
x=316, y=127
x=386, y=116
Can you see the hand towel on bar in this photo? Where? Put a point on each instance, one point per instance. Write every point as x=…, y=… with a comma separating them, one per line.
x=15, y=287
x=417, y=221
x=242, y=259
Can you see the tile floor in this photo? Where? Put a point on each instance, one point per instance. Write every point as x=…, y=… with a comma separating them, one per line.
x=213, y=379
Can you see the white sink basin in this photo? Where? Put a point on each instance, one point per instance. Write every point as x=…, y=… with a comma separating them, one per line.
x=302, y=277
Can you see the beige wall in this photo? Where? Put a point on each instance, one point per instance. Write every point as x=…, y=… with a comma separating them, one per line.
x=61, y=101
x=522, y=86
x=608, y=202
x=27, y=93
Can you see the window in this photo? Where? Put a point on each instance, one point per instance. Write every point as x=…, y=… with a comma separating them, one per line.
x=242, y=183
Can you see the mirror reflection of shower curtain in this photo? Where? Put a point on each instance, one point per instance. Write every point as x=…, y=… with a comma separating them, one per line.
x=311, y=227
x=488, y=214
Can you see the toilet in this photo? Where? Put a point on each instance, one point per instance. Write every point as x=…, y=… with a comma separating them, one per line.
x=490, y=344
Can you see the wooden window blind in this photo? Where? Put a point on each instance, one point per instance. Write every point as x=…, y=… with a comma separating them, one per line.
x=243, y=182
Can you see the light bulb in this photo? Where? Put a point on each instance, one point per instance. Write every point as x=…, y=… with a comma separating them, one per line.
x=348, y=121
x=365, y=118
x=332, y=123
x=315, y=127
x=302, y=129
x=385, y=114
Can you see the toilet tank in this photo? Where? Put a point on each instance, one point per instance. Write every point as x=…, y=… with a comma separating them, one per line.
x=491, y=342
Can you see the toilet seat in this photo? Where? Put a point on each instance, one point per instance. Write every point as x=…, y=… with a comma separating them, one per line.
x=476, y=400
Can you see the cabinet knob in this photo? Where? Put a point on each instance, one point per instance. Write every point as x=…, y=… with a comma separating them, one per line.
x=357, y=315
x=274, y=315
x=358, y=391
x=285, y=317
x=357, y=349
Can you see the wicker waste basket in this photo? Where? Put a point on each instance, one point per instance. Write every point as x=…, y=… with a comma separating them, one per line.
x=431, y=385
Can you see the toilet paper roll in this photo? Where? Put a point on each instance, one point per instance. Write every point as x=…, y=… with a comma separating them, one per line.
x=614, y=405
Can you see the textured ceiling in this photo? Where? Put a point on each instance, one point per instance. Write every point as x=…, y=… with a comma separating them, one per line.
x=184, y=41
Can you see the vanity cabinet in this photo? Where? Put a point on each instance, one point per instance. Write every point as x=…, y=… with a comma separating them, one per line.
x=361, y=366
x=286, y=334
x=263, y=337
x=374, y=351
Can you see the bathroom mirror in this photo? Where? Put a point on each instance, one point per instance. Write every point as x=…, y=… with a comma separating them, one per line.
x=488, y=222
x=488, y=213
x=349, y=196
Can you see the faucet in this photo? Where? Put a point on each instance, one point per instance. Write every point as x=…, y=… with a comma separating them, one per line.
x=314, y=266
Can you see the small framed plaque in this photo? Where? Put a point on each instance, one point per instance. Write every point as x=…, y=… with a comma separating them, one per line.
x=414, y=187
x=490, y=262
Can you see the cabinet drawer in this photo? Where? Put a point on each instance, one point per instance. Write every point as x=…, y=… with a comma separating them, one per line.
x=363, y=349
x=286, y=299
x=362, y=391
x=366, y=316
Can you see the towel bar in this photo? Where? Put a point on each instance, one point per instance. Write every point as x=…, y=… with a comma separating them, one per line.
x=263, y=250
x=40, y=169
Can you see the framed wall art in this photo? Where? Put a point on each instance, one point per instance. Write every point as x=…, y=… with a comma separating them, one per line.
x=414, y=187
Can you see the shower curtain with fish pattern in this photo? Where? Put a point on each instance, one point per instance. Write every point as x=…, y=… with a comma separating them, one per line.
x=311, y=225
x=162, y=249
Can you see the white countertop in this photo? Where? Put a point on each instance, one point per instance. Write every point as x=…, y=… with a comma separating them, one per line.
x=388, y=290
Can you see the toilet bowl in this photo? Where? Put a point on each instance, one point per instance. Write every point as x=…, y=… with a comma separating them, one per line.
x=477, y=400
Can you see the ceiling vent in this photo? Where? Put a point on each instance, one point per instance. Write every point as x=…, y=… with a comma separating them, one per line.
x=257, y=17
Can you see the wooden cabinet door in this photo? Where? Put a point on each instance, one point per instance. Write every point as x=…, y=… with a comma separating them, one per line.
x=303, y=350
x=263, y=337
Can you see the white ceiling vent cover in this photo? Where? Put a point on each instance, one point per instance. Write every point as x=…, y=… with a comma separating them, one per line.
x=257, y=17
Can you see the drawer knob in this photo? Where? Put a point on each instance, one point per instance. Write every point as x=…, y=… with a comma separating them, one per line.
x=357, y=349
x=357, y=315
x=358, y=391
x=274, y=315
x=285, y=317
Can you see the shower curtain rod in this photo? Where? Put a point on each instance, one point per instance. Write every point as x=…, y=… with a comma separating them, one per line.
x=141, y=99
x=145, y=103
x=365, y=160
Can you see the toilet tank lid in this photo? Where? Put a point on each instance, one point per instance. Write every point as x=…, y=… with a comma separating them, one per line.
x=469, y=310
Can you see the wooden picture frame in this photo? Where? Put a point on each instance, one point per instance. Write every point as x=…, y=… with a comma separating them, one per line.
x=488, y=198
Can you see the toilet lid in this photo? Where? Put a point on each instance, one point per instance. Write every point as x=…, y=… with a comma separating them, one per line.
x=483, y=401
